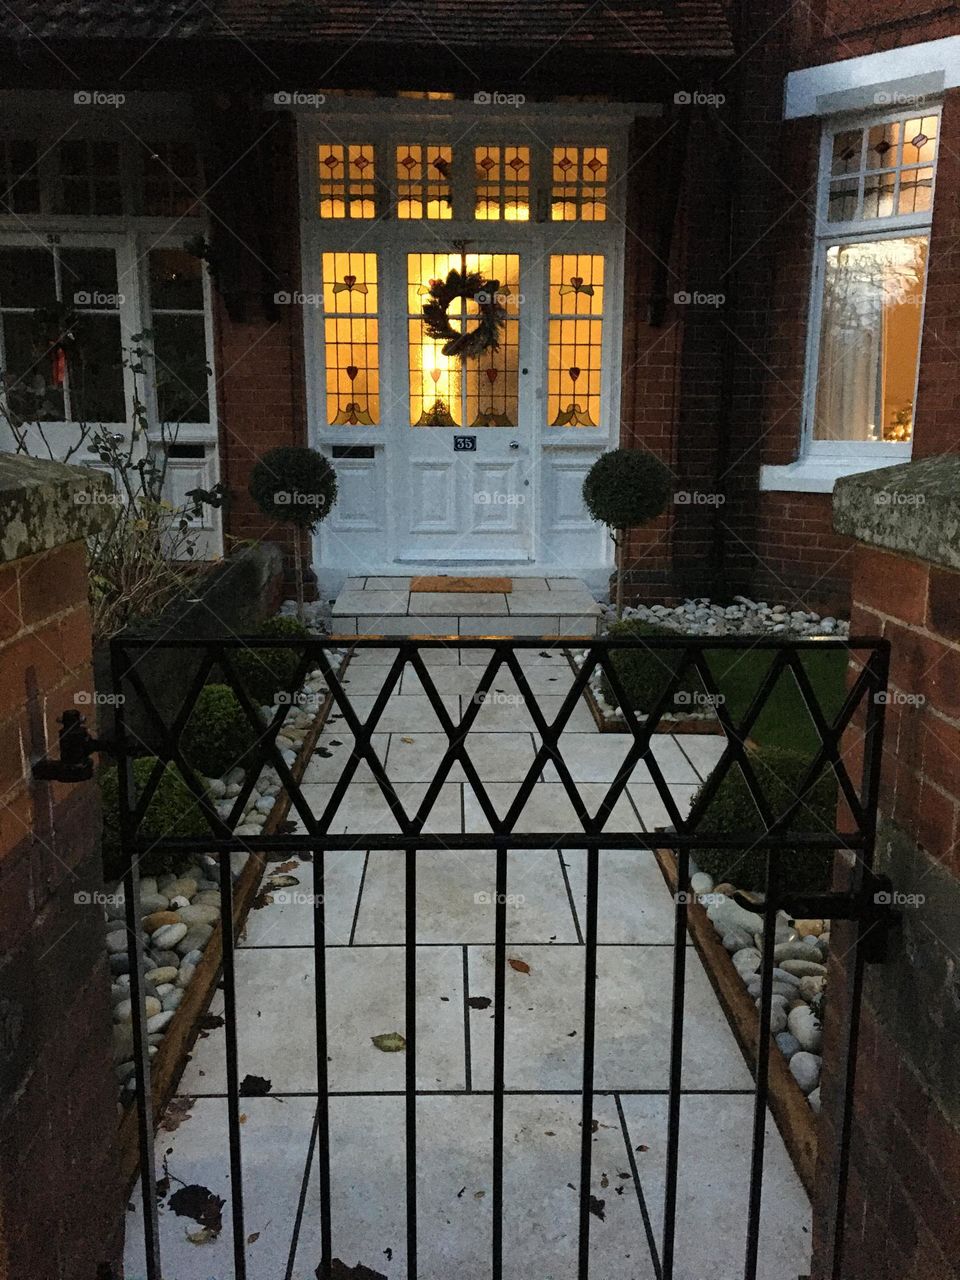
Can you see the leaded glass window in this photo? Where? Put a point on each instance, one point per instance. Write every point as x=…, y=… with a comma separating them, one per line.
x=346, y=180
x=575, y=340
x=424, y=181
x=351, y=338
x=883, y=170
x=502, y=183
x=579, y=185
x=479, y=392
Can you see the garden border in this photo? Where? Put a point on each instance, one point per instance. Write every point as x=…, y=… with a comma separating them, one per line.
x=172, y=1053
x=795, y=1119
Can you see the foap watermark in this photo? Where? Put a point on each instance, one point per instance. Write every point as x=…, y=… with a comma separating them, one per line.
x=898, y=698
x=484, y=899
x=297, y=299
x=899, y=498
x=97, y=898
x=698, y=98
x=698, y=498
x=96, y=498
x=294, y=98
x=95, y=298
x=894, y=98
x=496, y=498
x=697, y=700
x=92, y=698
x=687, y=898
x=494, y=98
x=296, y=698
x=98, y=98
x=696, y=298
x=892, y=898
x=501, y=298
x=496, y=698
x=296, y=498
x=296, y=898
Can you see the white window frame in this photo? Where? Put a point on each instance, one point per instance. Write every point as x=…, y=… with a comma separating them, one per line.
x=822, y=462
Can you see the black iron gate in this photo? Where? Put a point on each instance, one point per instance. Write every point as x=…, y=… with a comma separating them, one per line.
x=683, y=658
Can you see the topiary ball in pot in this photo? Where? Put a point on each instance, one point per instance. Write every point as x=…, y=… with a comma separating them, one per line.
x=218, y=736
x=644, y=671
x=266, y=672
x=173, y=811
x=732, y=812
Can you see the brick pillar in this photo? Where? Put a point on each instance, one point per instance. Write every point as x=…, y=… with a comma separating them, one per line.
x=901, y=1215
x=60, y=1200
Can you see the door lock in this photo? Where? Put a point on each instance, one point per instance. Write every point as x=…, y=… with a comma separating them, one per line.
x=514, y=444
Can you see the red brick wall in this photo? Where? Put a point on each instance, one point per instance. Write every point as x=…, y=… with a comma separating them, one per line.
x=60, y=1200
x=901, y=1219
x=260, y=360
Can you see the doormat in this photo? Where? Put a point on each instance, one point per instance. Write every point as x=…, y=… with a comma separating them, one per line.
x=442, y=582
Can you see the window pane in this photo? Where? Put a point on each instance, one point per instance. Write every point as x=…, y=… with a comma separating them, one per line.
x=882, y=170
x=180, y=358
x=579, y=188
x=19, y=178
x=870, y=340
x=502, y=183
x=346, y=180
x=575, y=340
x=176, y=280
x=89, y=178
x=423, y=182
x=95, y=365
x=88, y=278
x=27, y=278
x=351, y=338
x=32, y=372
x=171, y=180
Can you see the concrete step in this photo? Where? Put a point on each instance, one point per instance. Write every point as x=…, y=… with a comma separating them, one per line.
x=533, y=607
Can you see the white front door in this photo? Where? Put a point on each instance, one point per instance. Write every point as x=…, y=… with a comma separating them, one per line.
x=468, y=486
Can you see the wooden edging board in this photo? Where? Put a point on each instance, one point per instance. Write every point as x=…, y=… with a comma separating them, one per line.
x=168, y=1063
x=796, y=1121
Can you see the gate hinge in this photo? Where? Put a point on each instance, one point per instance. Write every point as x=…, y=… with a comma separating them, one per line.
x=77, y=746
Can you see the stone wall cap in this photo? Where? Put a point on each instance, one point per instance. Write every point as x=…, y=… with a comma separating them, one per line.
x=46, y=504
x=913, y=508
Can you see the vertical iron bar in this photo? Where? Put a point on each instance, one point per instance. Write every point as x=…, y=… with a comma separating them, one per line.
x=878, y=666
x=323, y=1090
x=676, y=1064
x=410, y=1031
x=233, y=1078
x=499, y=1038
x=762, y=1071
x=589, y=1042
x=141, y=1053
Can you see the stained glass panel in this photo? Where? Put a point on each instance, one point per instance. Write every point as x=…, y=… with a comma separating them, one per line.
x=479, y=392
x=503, y=183
x=579, y=186
x=351, y=338
x=883, y=170
x=423, y=181
x=346, y=180
x=575, y=338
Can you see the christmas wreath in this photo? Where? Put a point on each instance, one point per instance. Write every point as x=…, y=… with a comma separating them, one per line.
x=491, y=315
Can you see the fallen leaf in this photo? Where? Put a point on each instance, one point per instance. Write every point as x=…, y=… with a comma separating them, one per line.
x=204, y=1236
x=254, y=1086
x=242, y=1117
x=641, y=1148
x=286, y=828
x=521, y=966
x=178, y=1110
x=281, y=882
x=479, y=1002
x=597, y=1207
x=291, y=865
x=604, y=1181
x=200, y=1204
x=262, y=899
x=340, y=1271
x=389, y=1042
x=209, y=1021
x=408, y=740
x=253, y=1237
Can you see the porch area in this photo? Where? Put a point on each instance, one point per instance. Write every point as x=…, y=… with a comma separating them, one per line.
x=365, y=910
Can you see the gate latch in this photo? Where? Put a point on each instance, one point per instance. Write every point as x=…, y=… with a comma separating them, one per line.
x=77, y=747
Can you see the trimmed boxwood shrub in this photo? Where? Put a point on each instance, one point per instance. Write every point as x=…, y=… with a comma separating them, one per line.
x=627, y=487
x=173, y=811
x=266, y=672
x=733, y=813
x=218, y=735
x=644, y=671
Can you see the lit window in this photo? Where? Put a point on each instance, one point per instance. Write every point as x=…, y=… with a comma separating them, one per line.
x=346, y=180
x=579, y=187
x=503, y=183
x=351, y=339
x=423, y=182
x=479, y=392
x=179, y=336
x=575, y=340
x=877, y=192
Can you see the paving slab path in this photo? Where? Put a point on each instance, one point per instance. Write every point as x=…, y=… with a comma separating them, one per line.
x=455, y=986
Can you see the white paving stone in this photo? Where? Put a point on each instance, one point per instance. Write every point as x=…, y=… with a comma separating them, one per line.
x=364, y=807
x=288, y=921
